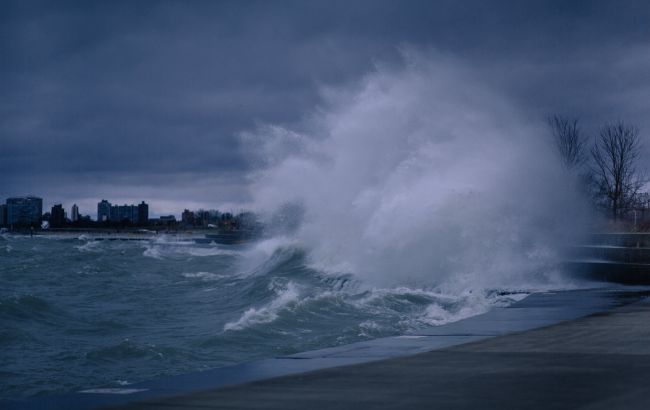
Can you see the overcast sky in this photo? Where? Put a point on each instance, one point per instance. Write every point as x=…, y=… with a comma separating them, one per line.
x=133, y=101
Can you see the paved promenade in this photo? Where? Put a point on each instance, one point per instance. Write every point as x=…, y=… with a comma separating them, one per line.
x=600, y=361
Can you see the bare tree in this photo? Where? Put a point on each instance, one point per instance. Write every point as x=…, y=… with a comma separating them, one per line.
x=615, y=154
x=569, y=142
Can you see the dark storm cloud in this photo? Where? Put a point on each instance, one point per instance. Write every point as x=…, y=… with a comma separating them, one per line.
x=152, y=95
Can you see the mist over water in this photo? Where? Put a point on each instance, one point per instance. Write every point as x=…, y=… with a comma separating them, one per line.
x=425, y=177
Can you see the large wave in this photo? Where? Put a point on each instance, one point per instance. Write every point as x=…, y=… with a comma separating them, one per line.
x=421, y=176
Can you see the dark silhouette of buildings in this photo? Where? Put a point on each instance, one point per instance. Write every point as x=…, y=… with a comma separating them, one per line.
x=3, y=215
x=24, y=211
x=187, y=218
x=103, y=211
x=74, y=213
x=57, y=216
x=123, y=214
x=143, y=214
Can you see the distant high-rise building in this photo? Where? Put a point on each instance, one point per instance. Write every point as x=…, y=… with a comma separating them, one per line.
x=143, y=214
x=115, y=213
x=126, y=213
x=74, y=213
x=202, y=217
x=168, y=219
x=187, y=217
x=103, y=211
x=57, y=216
x=3, y=215
x=24, y=211
x=134, y=214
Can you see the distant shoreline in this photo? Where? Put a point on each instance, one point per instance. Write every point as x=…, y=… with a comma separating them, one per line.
x=133, y=232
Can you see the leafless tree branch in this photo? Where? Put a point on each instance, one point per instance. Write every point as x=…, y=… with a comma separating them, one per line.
x=568, y=140
x=615, y=155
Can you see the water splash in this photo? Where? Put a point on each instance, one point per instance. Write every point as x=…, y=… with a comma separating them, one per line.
x=162, y=250
x=424, y=177
x=268, y=313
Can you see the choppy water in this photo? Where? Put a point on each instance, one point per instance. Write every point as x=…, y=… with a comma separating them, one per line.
x=77, y=313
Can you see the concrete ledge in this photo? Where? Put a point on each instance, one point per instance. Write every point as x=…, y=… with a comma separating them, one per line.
x=535, y=311
x=601, y=361
x=610, y=253
x=626, y=239
x=607, y=271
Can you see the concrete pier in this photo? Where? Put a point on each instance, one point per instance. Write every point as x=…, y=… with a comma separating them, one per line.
x=601, y=361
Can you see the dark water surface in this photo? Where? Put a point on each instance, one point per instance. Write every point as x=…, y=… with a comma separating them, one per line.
x=78, y=313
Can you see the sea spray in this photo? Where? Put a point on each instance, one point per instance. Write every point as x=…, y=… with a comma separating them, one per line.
x=423, y=177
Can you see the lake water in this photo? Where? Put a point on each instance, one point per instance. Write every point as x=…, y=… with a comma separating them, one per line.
x=78, y=313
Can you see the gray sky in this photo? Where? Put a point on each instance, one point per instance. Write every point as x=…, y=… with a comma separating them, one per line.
x=144, y=100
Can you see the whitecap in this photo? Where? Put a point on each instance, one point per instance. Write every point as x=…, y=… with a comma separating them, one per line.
x=195, y=251
x=207, y=276
x=368, y=328
x=152, y=252
x=268, y=313
x=89, y=246
x=158, y=250
x=436, y=315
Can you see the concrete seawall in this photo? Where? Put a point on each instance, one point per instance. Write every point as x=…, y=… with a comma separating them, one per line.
x=601, y=361
x=392, y=372
x=612, y=257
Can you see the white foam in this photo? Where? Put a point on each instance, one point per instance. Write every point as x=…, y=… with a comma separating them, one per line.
x=152, y=252
x=440, y=307
x=265, y=314
x=196, y=251
x=368, y=327
x=89, y=246
x=160, y=250
x=437, y=315
x=207, y=276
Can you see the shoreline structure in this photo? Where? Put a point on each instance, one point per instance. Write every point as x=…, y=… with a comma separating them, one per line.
x=287, y=375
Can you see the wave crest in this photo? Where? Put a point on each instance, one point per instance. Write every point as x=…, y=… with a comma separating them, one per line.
x=267, y=313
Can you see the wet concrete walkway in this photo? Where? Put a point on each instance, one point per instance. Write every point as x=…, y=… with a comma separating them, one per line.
x=589, y=349
x=601, y=361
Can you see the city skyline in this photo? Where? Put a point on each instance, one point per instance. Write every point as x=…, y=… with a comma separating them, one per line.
x=156, y=100
x=72, y=209
x=88, y=206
